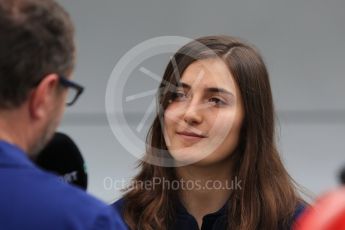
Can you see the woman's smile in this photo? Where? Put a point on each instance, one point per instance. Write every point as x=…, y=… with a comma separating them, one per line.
x=188, y=136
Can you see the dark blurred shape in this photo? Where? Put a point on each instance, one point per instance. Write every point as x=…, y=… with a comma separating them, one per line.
x=342, y=176
x=61, y=156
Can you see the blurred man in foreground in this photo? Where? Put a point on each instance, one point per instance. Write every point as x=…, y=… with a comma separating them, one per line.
x=36, y=63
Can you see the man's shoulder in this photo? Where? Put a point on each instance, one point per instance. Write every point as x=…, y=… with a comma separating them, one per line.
x=40, y=198
x=118, y=207
x=65, y=197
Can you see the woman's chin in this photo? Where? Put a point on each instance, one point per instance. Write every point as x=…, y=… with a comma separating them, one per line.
x=188, y=156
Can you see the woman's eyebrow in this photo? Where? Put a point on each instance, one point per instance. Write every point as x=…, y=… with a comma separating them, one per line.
x=209, y=90
x=218, y=90
x=184, y=85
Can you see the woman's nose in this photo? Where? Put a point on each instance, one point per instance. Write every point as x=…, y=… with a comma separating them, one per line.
x=193, y=113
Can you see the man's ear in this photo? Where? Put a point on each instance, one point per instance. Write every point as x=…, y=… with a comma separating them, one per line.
x=43, y=96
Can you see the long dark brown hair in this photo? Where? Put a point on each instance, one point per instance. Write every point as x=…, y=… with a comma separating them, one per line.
x=268, y=196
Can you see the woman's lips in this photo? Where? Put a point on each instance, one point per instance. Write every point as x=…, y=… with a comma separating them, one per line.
x=190, y=136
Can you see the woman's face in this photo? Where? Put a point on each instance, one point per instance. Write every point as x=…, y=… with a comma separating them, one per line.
x=203, y=120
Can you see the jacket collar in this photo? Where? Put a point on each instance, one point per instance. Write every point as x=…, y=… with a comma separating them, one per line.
x=212, y=221
x=181, y=210
x=13, y=156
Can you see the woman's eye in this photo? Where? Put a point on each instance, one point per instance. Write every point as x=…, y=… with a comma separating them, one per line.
x=179, y=96
x=216, y=101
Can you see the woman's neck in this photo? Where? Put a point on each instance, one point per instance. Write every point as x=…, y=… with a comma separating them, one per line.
x=207, y=188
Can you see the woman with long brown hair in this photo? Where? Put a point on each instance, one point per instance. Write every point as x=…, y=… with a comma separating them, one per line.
x=212, y=160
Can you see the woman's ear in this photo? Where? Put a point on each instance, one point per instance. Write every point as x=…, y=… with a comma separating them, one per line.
x=42, y=97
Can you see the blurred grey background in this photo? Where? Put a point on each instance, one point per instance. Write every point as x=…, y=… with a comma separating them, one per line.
x=302, y=42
